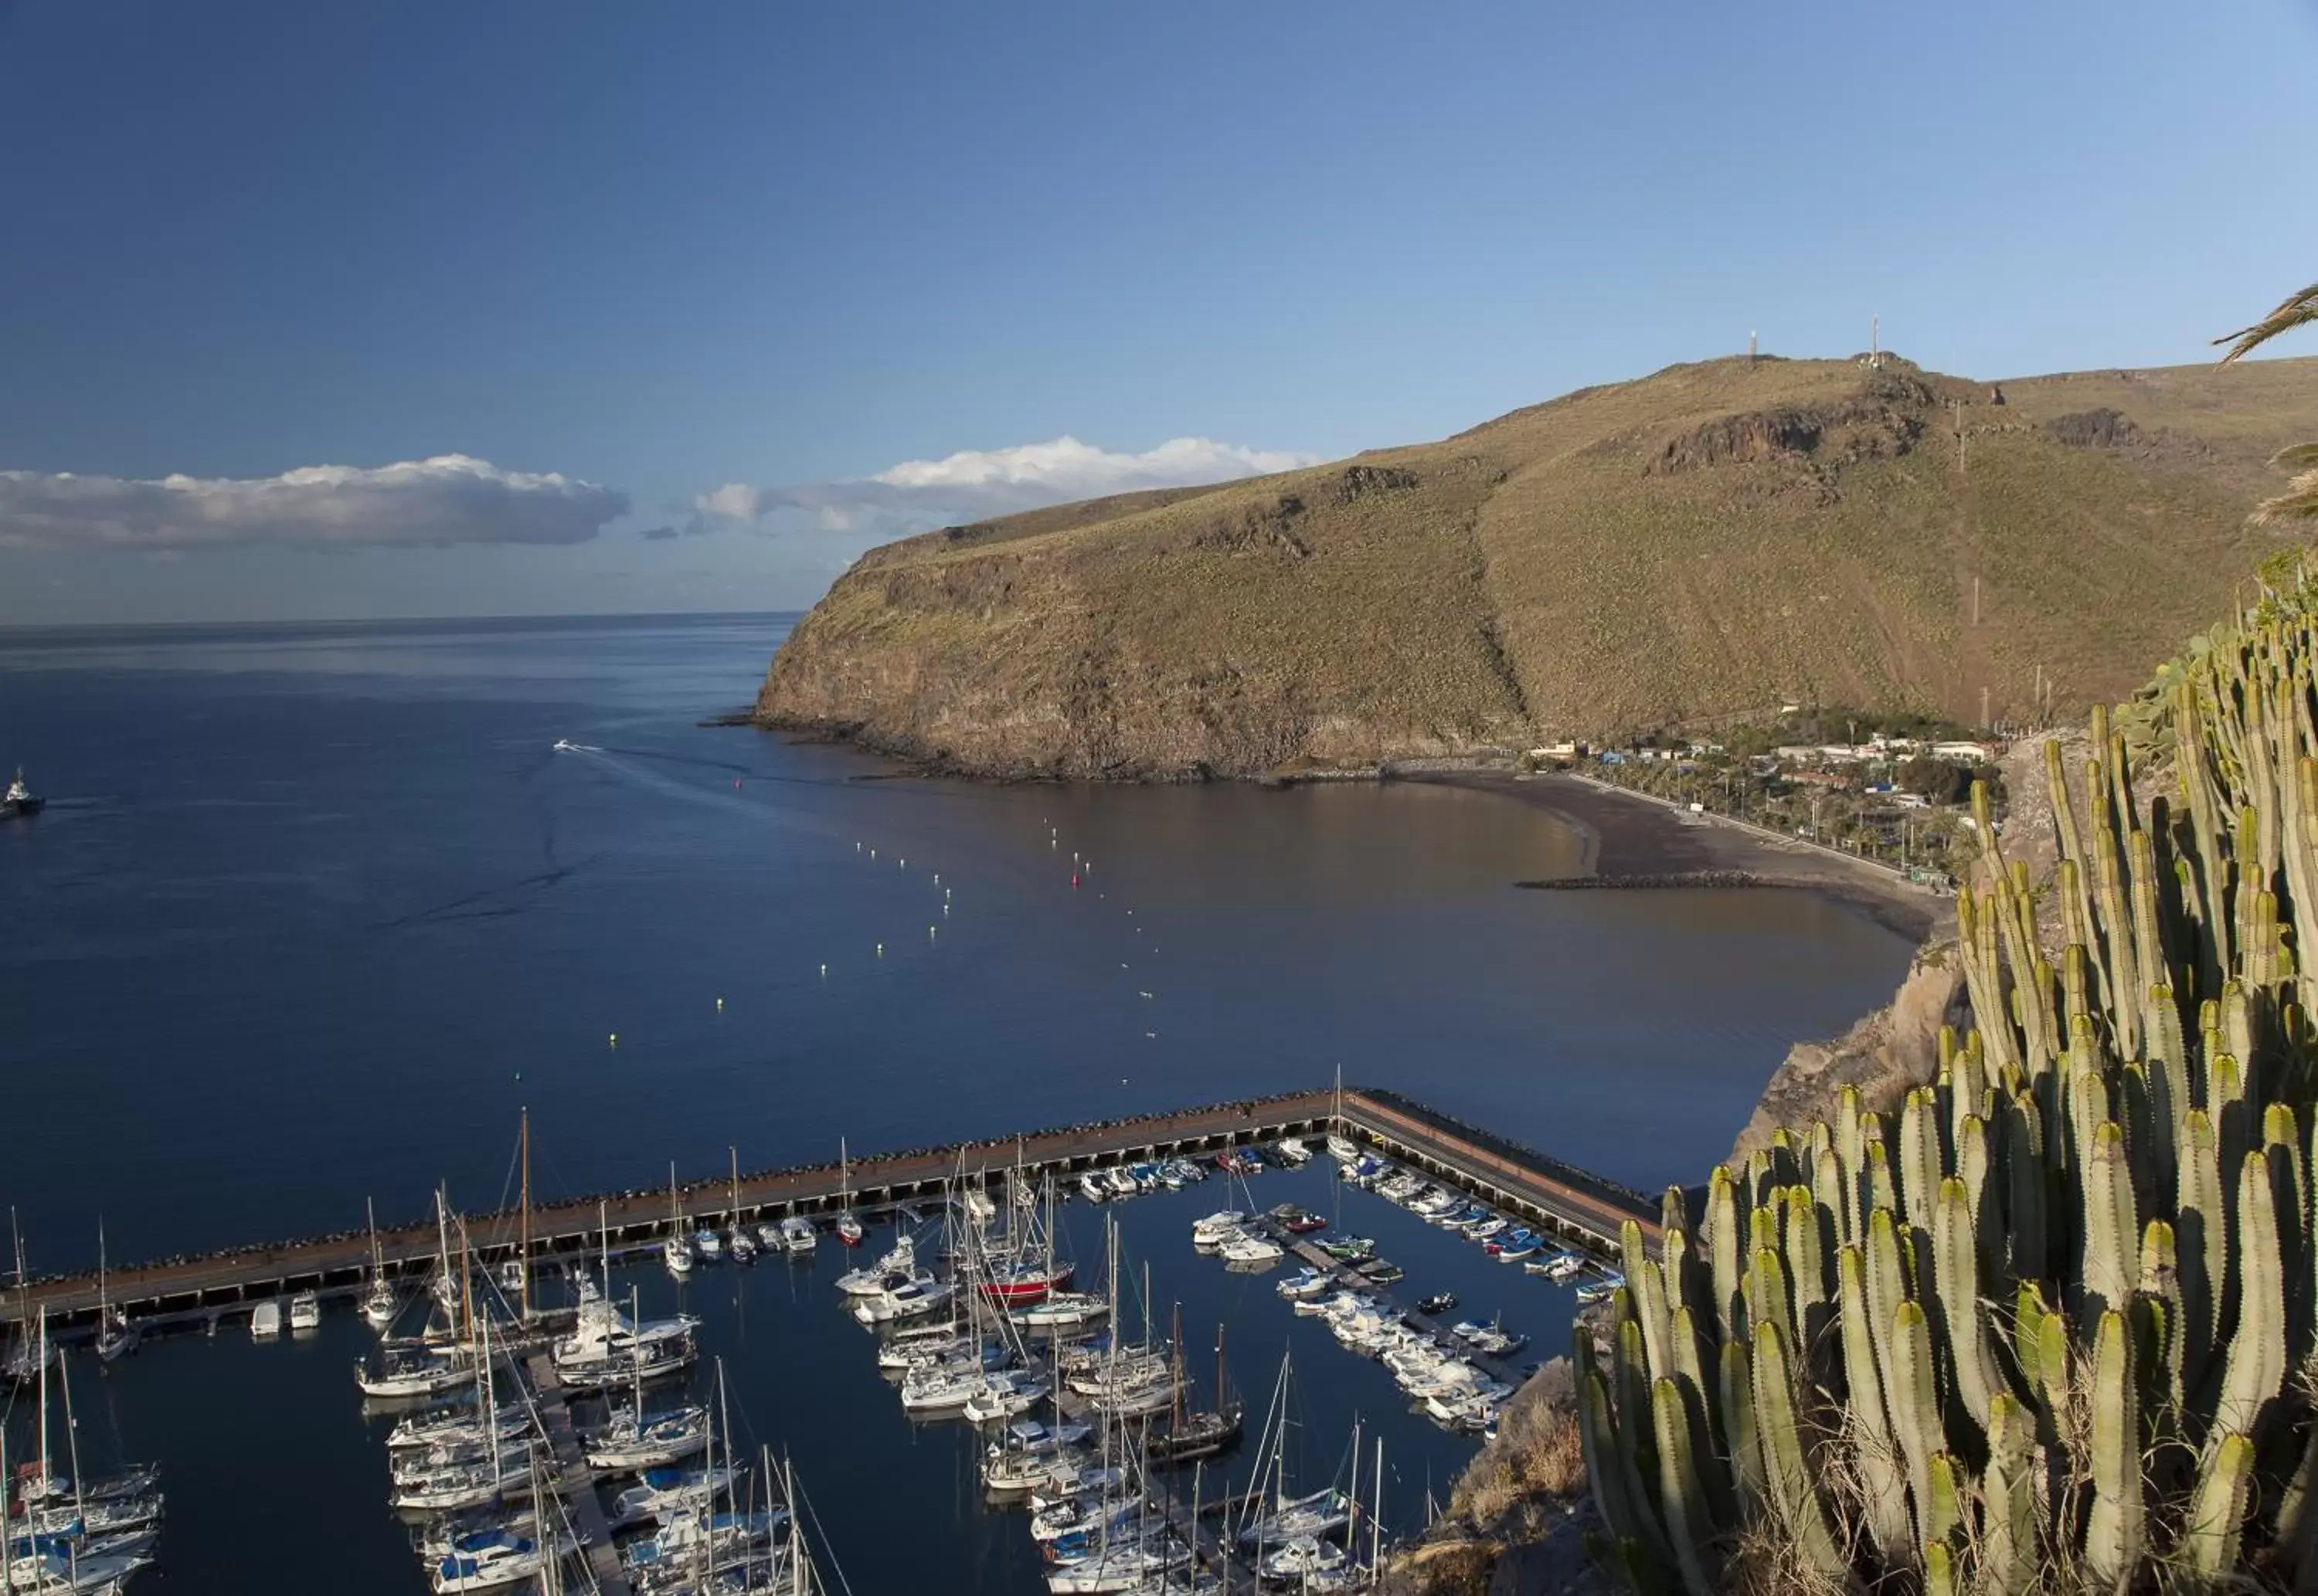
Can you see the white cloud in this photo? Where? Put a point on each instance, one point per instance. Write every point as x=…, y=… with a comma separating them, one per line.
x=450, y=499
x=977, y=483
x=1067, y=469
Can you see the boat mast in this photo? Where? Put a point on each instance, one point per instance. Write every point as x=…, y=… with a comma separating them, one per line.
x=104, y=1318
x=1376, y=1518
x=44, y=1399
x=526, y=1213
x=72, y=1440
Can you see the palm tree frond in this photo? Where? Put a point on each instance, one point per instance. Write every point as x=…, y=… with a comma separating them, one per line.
x=2299, y=457
x=2296, y=311
x=2299, y=502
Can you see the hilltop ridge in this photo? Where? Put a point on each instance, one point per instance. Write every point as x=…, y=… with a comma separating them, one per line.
x=1714, y=539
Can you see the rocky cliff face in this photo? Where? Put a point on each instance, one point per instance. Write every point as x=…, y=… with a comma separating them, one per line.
x=1721, y=537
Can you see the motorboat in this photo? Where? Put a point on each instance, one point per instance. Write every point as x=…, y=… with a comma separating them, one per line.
x=1094, y=1187
x=305, y=1312
x=1122, y=1181
x=1250, y=1248
x=1438, y=1304
x=1216, y=1228
x=708, y=1244
x=265, y=1320
x=1305, y=1284
x=941, y=1388
x=380, y=1307
x=19, y=803
x=1304, y=1555
x=1347, y=1249
x=900, y=1259
x=912, y=1296
x=743, y=1245
x=798, y=1234
x=1291, y=1149
x=1007, y=1395
x=677, y=1253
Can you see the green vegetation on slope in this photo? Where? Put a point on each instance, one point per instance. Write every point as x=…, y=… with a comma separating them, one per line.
x=1717, y=539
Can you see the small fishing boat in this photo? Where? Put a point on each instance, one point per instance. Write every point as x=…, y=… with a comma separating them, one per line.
x=1305, y=1283
x=1438, y=1304
x=1601, y=1289
x=1347, y=1249
x=708, y=1244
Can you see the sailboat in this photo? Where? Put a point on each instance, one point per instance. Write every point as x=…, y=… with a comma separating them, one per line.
x=23, y=1367
x=379, y=1305
x=1192, y=1434
x=675, y=1251
x=848, y=1222
x=743, y=1244
x=114, y=1334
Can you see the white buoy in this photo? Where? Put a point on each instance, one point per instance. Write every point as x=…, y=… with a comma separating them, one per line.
x=930, y=932
x=873, y=852
x=857, y=848
x=945, y=912
x=613, y=1039
x=881, y=950
x=824, y=972
x=720, y=1005
x=936, y=878
x=905, y=864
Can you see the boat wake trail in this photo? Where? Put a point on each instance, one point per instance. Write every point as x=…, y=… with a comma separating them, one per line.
x=493, y=902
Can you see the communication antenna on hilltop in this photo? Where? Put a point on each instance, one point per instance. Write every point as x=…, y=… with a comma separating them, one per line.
x=1875, y=342
x=1750, y=346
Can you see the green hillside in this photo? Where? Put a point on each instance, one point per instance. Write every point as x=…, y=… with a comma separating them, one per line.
x=1714, y=539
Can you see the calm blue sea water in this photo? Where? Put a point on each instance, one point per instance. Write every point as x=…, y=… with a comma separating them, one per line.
x=315, y=911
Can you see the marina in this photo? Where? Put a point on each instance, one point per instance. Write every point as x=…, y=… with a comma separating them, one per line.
x=1586, y=1209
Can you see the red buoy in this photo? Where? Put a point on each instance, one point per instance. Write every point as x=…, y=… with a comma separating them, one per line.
x=1075, y=879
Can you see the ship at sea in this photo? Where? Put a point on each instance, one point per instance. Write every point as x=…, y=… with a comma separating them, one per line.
x=19, y=799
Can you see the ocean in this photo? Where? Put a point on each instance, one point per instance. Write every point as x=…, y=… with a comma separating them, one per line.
x=316, y=912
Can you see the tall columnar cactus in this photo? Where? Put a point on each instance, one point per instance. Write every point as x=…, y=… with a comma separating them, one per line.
x=2051, y=1325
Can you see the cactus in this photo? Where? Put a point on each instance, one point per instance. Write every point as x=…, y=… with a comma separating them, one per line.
x=2035, y=1330
x=1688, y=1527
x=2113, y=1533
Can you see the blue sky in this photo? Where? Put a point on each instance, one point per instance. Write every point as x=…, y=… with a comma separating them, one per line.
x=711, y=269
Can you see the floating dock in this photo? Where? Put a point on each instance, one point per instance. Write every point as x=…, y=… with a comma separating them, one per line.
x=1560, y=1199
